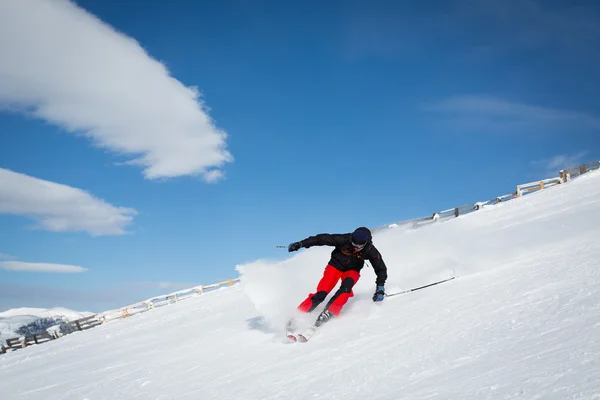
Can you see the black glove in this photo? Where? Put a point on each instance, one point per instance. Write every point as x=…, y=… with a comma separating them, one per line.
x=294, y=246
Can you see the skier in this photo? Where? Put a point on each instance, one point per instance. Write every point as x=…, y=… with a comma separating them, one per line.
x=347, y=259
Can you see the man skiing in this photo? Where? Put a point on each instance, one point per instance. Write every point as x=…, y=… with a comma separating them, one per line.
x=347, y=259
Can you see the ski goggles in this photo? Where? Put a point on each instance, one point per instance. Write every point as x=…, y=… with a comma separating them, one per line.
x=358, y=246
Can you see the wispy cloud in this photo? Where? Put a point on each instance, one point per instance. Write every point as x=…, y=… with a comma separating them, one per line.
x=60, y=208
x=63, y=65
x=21, y=266
x=36, y=267
x=553, y=165
x=487, y=112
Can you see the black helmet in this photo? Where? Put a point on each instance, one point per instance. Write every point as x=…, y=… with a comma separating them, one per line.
x=360, y=237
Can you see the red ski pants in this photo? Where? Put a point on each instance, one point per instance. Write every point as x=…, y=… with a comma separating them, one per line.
x=330, y=278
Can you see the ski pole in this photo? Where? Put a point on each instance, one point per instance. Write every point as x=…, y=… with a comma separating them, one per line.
x=418, y=288
x=281, y=247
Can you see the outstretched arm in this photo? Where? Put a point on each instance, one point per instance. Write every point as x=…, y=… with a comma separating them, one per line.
x=324, y=239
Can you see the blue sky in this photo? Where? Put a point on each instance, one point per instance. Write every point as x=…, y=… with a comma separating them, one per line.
x=147, y=147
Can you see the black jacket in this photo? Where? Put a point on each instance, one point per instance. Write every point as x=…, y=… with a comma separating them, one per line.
x=344, y=257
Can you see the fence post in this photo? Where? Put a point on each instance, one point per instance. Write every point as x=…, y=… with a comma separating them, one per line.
x=582, y=170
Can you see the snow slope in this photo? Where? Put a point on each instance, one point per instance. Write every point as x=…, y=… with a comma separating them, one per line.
x=11, y=320
x=521, y=321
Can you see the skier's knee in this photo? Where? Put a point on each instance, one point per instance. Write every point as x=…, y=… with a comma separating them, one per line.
x=346, y=286
x=319, y=296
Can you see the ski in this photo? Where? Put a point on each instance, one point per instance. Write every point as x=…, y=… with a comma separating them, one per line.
x=289, y=331
x=307, y=334
x=303, y=337
x=290, y=338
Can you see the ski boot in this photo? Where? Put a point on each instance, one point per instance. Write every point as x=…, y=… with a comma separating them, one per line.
x=323, y=317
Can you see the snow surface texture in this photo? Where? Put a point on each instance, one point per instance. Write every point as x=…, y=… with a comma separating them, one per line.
x=12, y=320
x=522, y=320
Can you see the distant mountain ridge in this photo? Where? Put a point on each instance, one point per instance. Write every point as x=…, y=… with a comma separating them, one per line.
x=11, y=321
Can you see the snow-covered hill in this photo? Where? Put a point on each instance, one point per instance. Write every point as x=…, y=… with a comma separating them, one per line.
x=521, y=321
x=11, y=320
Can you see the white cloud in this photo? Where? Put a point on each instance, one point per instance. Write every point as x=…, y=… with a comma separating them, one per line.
x=561, y=161
x=474, y=111
x=65, y=66
x=60, y=208
x=40, y=267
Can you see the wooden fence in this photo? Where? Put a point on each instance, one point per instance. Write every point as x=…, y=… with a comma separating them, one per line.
x=535, y=186
x=567, y=174
x=95, y=320
x=159, y=301
x=450, y=213
x=521, y=190
x=51, y=334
